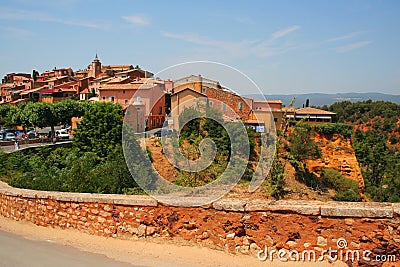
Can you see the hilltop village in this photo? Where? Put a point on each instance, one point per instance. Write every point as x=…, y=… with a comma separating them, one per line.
x=155, y=98
x=152, y=103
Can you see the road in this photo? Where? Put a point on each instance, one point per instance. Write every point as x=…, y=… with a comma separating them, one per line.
x=19, y=252
x=9, y=149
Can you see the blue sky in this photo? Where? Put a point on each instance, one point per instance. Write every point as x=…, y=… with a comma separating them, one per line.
x=284, y=46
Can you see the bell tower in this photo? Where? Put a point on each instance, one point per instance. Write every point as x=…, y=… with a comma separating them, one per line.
x=95, y=67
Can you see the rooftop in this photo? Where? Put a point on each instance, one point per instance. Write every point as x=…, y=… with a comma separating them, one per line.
x=314, y=111
x=268, y=101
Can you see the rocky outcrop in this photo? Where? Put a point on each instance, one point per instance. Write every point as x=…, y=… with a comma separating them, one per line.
x=337, y=153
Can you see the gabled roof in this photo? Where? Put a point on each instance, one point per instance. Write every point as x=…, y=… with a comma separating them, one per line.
x=56, y=78
x=313, y=111
x=118, y=80
x=129, y=71
x=85, y=91
x=34, y=90
x=189, y=89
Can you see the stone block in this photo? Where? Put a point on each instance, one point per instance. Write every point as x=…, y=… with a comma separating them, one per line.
x=134, y=201
x=285, y=206
x=230, y=204
x=357, y=209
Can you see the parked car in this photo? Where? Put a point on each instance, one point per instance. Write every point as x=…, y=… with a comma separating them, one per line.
x=31, y=134
x=67, y=127
x=62, y=134
x=9, y=137
x=164, y=132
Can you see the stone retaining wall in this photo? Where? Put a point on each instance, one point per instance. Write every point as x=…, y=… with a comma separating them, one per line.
x=234, y=225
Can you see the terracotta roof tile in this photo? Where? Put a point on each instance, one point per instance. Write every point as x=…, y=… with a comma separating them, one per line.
x=268, y=101
x=313, y=111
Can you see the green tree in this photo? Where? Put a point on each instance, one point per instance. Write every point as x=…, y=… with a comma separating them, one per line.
x=35, y=73
x=100, y=129
x=5, y=111
x=302, y=146
x=42, y=114
x=67, y=109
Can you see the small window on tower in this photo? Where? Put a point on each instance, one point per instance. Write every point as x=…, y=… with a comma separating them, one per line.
x=240, y=106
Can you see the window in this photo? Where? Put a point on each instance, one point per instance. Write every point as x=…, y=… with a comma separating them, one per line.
x=210, y=103
x=104, y=98
x=111, y=98
x=159, y=110
x=126, y=101
x=203, y=89
x=139, y=99
x=123, y=91
x=223, y=106
x=240, y=105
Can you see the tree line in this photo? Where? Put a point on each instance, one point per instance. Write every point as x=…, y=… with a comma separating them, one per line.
x=42, y=114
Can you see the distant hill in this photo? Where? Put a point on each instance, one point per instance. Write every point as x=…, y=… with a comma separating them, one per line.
x=319, y=99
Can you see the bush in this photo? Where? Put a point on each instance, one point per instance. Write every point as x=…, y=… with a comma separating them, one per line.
x=335, y=128
x=348, y=195
x=67, y=170
x=346, y=189
x=329, y=128
x=302, y=146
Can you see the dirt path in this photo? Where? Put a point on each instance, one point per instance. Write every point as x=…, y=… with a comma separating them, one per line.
x=140, y=252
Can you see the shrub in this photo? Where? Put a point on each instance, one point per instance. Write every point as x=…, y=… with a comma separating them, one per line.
x=346, y=189
x=302, y=146
x=330, y=128
x=348, y=195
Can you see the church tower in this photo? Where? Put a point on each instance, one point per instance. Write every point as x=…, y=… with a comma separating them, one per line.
x=95, y=67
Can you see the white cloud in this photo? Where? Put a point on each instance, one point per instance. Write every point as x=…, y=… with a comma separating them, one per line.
x=86, y=24
x=265, y=48
x=344, y=37
x=197, y=39
x=141, y=20
x=283, y=32
x=353, y=46
x=12, y=14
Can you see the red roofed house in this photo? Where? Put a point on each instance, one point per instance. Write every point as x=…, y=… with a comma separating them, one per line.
x=313, y=115
x=150, y=93
x=241, y=106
